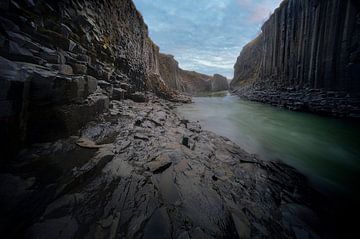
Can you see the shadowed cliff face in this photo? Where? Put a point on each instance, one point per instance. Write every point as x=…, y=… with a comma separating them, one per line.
x=189, y=81
x=62, y=61
x=306, y=58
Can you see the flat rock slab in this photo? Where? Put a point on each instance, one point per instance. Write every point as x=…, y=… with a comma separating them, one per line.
x=145, y=182
x=160, y=164
x=86, y=143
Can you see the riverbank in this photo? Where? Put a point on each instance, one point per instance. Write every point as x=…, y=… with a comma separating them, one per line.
x=140, y=171
x=338, y=104
x=325, y=149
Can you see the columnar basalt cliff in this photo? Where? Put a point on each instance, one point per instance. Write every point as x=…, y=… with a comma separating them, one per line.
x=86, y=96
x=189, y=81
x=61, y=62
x=306, y=58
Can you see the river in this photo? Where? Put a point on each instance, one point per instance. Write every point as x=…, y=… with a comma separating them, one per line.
x=326, y=150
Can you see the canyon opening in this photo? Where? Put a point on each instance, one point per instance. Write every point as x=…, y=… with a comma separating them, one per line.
x=179, y=119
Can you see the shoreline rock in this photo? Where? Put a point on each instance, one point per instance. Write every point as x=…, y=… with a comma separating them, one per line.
x=123, y=185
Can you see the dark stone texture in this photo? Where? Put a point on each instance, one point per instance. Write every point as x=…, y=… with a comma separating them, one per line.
x=54, y=54
x=306, y=58
x=127, y=177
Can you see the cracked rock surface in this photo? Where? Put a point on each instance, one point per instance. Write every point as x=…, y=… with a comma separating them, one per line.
x=140, y=171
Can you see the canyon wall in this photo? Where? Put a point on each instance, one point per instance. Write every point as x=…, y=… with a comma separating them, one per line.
x=61, y=62
x=306, y=58
x=189, y=82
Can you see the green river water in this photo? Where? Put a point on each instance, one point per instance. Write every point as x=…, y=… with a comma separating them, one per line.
x=326, y=150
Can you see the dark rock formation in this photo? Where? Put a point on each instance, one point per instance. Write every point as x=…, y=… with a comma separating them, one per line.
x=61, y=61
x=306, y=58
x=102, y=157
x=219, y=83
x=129, y=175
x=189, y=81
x=170, y=71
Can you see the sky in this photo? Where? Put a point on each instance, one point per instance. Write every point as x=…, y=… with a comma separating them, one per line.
x=205, y=35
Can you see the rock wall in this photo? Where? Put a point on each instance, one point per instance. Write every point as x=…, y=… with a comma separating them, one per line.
x=306, y=58
x=62, y=61
x=219, y=83
x=170, y=71
x=190, y=82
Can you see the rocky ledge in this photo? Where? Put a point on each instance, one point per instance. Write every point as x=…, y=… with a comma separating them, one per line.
x=318, y=101
x=141, y=171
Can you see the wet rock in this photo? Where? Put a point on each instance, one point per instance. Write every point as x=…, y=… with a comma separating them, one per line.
x=86, y=143
x=185, y=141
x=242, y=225
x=65, y=69
x=158, y=226
x=138, y=97
x=65, y=227
x=184, y=235
x=107, y=87
x=72, y=117
x=125, y=86
x=65, y=30
x=79, y=69
x=141, y=136
x=14, y=91
x=4, y=5
x=118, y=94
x=153, y=186
x=91, y=84
x=198, y=233
x=160, y=164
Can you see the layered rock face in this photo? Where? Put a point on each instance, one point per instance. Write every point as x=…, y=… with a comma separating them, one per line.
x=189, y=81
x=61, y=62
x=306, y=58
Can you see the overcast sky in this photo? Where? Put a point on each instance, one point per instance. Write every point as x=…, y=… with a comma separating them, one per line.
x=205, y=35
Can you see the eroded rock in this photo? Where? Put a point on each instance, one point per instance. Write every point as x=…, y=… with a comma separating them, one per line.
x=154, y=186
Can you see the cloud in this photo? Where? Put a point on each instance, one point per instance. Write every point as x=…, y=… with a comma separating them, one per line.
x=204, y=35
x=259, y=10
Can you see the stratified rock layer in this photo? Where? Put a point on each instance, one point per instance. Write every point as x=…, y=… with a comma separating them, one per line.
x=306, y=58
x=189, y=81
x=61, y=62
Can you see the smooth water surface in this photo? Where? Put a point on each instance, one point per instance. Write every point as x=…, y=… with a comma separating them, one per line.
x=327, y=150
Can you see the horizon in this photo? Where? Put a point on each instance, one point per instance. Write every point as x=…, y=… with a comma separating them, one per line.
x=222, y=28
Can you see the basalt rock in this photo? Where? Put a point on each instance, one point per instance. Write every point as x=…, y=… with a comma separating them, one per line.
x=306, y=58
x=55, y=54
x=131, y=174
x=189, y=81
x=219, y=83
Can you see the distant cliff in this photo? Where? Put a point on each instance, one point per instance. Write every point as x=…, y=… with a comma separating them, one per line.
x=306, y=58
x=189, y=81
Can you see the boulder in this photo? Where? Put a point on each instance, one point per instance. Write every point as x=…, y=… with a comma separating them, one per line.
x=80, y=69
x=138, y=97
x=118, y=94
